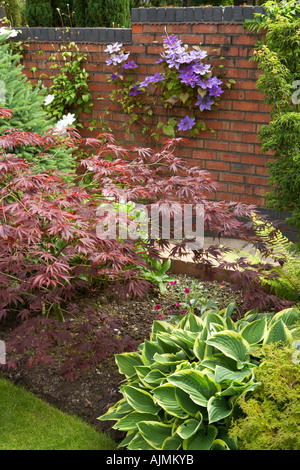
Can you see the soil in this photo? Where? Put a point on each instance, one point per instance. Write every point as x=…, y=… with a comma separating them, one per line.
x=95, y=390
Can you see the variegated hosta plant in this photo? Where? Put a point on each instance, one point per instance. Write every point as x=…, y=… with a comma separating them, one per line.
x=182, y=385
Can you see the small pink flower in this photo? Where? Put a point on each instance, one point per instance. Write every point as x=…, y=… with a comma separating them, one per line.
x=173, y=282
x=247, y=306
x=157, y=307
x=222, y=283
x=160, y=317
x=171, y=311
x=178, y=304
x=186, y=291
x=183, y=312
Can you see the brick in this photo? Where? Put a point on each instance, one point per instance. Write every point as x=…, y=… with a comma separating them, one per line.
x=217, y=166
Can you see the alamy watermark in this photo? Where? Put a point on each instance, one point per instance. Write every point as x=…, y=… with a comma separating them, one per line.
x=2, y=353
x=295, y=95
x=126, y=220
x=2, y=92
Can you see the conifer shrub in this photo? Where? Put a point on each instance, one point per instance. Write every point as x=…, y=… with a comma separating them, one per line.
x=271, y=414
x=39, y=13
x=108, y=13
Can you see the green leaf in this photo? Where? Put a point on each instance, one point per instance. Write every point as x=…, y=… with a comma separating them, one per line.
x=218, y=408
x=120, y=409
x=289, y=316
x=166, y=398
x=126, y=363
x=130, y=422
x=149, y=350
x=255, y=331
x=140, y=400
x=230, y=343
x=198, y=385
x=222, y=374
x=202, y=439
x=278, y=332
x=139, y=443
x=172, y=443
x=155, y=433
x=188, y=428
x=188, y=405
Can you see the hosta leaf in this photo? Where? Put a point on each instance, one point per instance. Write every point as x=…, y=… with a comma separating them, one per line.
x=230, y=343
x=222, y=374
x=218, y=408
x=120, y=409
x=202, y=439
x=167, y=344
x=126, y=363
x=139, y=443
x=160, y=327
x=155, y=433
x=199, y=386
x=155, y=378
x=199, y=349
x=148, y=352
x=255, y=331
x=188, y=428
x=170, y=359
x=129, y=422
x=166, y=398
x=191, y=322
x=278, y=332
x=187, y=337
x=188, y=405
x=140, y=400
x=289, y=316
x=219, y=359
x=172, y=443
x=218, y=444
x=129, y=436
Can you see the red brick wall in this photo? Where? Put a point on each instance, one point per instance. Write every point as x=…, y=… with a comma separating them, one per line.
x=233, y=154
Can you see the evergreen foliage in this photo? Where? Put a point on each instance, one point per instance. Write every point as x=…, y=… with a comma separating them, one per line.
x=79, y=16
x=13, y=12
x=108, y=13
x=39, y=13
x=271, y=416
x=26, y=102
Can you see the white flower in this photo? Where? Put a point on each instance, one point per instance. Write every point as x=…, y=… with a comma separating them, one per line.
x=48, y=99
x=65, y=122
x=69, y=119
x=12, y=33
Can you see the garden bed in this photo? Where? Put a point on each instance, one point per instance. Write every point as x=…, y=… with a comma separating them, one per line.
x=96, y=389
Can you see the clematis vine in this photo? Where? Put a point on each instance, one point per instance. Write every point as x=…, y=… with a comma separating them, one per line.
x=186, y=80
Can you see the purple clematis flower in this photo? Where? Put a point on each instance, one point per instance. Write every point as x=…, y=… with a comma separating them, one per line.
x=152, y=79
x=135, y=91
x=204, y=103
x=186, y=123
x=115, y=76
x=130, y=65
x=215, y=91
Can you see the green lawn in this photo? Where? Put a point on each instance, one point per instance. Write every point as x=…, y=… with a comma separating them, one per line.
x=28, y=423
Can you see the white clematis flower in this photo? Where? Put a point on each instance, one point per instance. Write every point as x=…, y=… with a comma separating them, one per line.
x=48, y=99
x=12, y=33
x=65, y=122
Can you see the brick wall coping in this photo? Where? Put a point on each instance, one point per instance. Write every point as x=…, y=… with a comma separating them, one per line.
x=220, y=14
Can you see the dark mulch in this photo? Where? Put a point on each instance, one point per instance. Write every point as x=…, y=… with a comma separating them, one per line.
x=95, y=390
